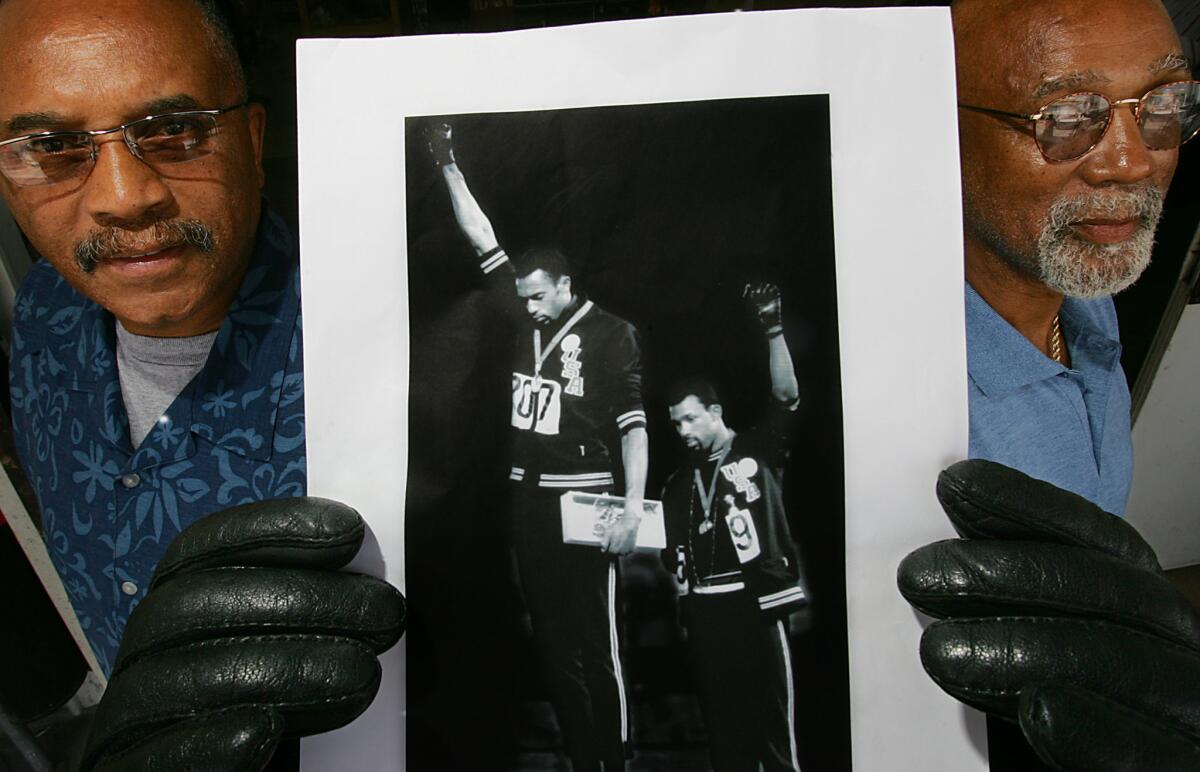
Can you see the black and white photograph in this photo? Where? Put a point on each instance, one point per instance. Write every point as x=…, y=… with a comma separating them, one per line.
x=637, y=301
x=632, y=428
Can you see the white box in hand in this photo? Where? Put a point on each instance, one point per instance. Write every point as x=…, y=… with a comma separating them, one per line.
x=586, y=516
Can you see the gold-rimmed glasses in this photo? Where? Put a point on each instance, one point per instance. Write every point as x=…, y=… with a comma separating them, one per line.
x=1070, y=126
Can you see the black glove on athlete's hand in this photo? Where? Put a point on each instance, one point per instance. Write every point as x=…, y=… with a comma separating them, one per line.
x=439, y=141
x=1056, y=614
x=766, y=302
x=248, y=633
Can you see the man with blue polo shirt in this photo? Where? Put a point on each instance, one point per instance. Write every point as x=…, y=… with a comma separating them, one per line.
x=1060, y=214
x=1063, y=423
x=1053, y=614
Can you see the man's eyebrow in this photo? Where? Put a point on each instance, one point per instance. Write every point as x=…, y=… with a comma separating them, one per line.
x=1170, y=63
x=24, y=123
x=170, y=104
x=1069, y=81
x=27, y=123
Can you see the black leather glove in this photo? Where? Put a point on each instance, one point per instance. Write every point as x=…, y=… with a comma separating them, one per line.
x=1056, y=614
x=766, y=302
x=248, y=633
x=439, y=142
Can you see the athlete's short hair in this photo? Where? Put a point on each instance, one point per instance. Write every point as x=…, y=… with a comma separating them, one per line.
x=547, y=258
x=693, y=386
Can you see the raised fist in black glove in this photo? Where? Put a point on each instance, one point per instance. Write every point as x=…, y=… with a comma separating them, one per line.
x=766, y=301
x=1056, y=614
x=249, y=633
x=438, y=140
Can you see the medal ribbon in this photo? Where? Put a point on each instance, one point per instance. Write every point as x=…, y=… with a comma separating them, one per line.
x=707, y=496
x=539, y=356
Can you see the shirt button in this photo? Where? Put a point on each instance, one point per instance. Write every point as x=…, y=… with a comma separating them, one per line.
x=131, y=480
x=129, y=588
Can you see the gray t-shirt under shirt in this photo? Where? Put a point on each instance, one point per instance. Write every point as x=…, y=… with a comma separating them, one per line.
x=153, y=372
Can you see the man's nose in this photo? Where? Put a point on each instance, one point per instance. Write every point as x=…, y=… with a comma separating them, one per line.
x=122, y=190
x=1121, y=156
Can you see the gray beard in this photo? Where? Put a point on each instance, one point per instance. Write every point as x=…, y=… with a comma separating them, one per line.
x=1082, y=269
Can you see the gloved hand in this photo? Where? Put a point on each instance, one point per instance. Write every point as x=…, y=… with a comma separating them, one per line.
x=439, y=142
x=766, y=301
x=1056, y=614
x=248, y=633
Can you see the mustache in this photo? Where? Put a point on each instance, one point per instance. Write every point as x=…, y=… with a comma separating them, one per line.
x=1142, y=202
x=104, y=243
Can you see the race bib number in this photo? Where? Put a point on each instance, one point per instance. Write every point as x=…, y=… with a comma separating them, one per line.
x=536, y=404
x=743, y=534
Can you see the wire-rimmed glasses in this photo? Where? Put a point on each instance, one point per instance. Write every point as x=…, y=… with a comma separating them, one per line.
x=1070, y=126
x=58, y=156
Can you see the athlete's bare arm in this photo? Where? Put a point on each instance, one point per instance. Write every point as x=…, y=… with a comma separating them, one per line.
x=783, y=374
x=767, y=303
x=470, y=217
x=621, y=537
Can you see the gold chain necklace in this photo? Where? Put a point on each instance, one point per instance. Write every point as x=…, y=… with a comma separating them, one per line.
x=1056, y=343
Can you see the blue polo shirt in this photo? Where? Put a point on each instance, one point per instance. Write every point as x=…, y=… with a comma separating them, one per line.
x=1067, y=426
x=235, y=434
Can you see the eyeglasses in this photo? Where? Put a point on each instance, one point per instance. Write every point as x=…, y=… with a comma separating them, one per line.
x=158, y=140
x=1069, y=127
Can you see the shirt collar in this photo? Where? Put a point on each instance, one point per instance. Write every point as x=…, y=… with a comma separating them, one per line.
x=237, y=394
x=719, y=449
x=1089, y=344
x=577, y=301
x=1000, y=359
x=234, y=399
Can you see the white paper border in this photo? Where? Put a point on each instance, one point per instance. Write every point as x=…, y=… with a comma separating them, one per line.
x=899, y=278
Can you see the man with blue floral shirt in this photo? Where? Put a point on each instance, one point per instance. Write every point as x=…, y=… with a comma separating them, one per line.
x=157, y=384
x=151, y=262
x=110, y=505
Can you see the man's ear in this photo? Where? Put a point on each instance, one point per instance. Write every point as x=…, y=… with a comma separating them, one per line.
x=564, y=282
x=716, y=410
x=256, y=116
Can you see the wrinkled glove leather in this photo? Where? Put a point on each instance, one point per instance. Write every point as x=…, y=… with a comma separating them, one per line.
x=1056, y=615
x=249, y=633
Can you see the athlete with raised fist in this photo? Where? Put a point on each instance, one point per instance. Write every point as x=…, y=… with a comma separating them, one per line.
x=734, y=561
x=576, y=381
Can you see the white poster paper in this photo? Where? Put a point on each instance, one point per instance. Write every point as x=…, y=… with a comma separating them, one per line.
x=883, y=183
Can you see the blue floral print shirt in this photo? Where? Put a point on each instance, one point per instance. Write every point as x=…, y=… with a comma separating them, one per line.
x=235, y=434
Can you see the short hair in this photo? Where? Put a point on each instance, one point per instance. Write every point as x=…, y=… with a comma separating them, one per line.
x=546, y=258
x=693, y=386
x=219, y=18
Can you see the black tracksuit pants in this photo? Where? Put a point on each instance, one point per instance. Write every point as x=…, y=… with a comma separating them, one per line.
x=570, y=591
x=743, y=671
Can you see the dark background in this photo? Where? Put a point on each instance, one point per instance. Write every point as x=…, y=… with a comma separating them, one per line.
x=268, y=30
x=666, y=211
